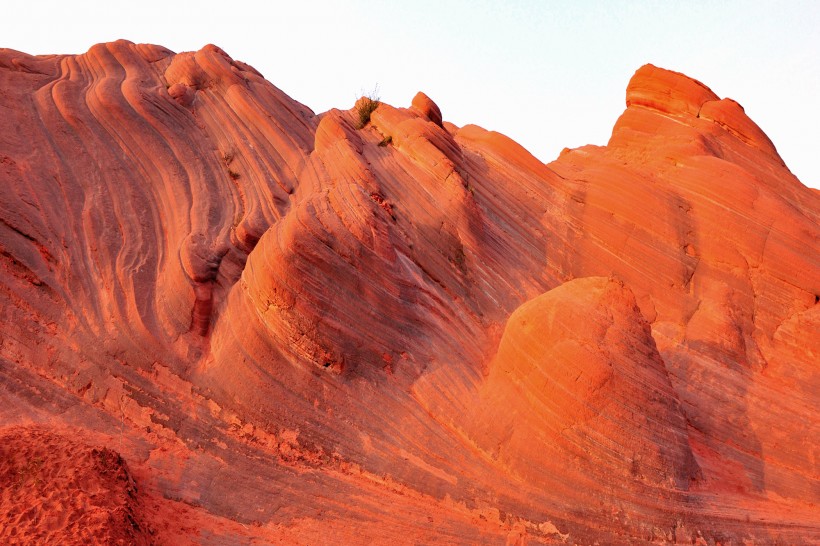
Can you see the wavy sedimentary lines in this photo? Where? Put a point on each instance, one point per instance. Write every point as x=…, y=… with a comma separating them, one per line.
x=152, y=174
x=605, y=348
x=136, y=157
x=732, y=318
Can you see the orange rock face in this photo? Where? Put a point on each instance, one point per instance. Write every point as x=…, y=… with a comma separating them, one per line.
x=294, y=330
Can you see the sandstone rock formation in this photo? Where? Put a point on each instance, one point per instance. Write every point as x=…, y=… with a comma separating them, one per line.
x=296, y=331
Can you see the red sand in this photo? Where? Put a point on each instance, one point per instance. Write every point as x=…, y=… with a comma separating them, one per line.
x=56, y=490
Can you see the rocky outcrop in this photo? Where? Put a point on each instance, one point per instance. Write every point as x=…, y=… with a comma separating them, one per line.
x=293, y=326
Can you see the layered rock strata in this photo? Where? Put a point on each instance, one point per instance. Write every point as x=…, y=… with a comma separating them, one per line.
x=293, y=329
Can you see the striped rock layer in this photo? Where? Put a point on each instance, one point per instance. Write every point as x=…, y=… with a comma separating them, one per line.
x=306, y=329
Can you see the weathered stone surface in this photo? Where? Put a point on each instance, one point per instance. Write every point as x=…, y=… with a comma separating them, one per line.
x=293, y=329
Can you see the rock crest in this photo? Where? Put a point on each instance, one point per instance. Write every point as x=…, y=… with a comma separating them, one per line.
x=289, y=326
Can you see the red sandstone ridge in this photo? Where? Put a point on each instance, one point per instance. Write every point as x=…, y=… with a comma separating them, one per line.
x=248, y=323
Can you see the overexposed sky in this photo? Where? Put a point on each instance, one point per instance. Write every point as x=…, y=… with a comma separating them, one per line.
x=549, y=74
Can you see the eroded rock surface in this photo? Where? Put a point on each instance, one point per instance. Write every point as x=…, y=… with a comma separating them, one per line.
x=293, y=329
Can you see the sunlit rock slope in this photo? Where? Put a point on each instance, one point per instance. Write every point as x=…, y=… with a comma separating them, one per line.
x=305, y=329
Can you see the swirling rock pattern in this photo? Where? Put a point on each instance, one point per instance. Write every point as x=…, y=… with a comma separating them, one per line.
x=299, y=330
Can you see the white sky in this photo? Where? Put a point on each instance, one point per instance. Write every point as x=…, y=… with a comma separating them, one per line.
x=549, y=74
